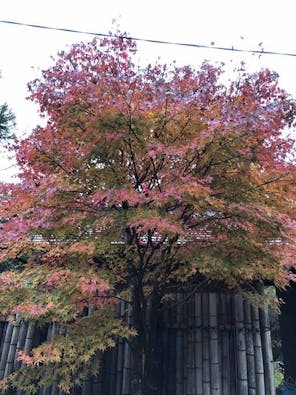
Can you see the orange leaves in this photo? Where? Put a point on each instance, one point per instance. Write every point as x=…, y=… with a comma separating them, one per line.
x=47, y=353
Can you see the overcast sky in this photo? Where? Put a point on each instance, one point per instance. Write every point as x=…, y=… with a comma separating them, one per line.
x=243, y=24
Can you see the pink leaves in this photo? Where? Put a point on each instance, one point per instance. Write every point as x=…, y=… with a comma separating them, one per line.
x=33, y=310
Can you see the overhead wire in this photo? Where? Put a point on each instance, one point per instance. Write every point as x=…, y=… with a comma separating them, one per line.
x=152, y=41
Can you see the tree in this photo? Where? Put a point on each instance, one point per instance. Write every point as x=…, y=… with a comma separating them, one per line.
x=144, y=182
x=7, y=121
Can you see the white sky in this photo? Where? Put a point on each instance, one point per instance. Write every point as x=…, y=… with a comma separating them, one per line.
x=25, y=51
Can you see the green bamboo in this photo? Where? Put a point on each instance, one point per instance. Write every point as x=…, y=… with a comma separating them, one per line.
x=242, y=373
x=259, y=368
x=250, y=349
x=267, y=352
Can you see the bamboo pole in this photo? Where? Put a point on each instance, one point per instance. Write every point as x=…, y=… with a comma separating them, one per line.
x=172, y=348
x=120, y=356
x=206, y=383
x=86, y=383
x=250, y=349
x=54, y=387
x=198, y=344
x=267, y=352
x=225, y=346
x=3, y=325
x=126, y=384
x=213, y=346
x=232, y=344
x=242, y=373
x=5, y=349
x=30, y=336
x=20, y=344
x=12, y=349
x=47, y=390
x=179, y=348
x=184, y=337
x=191, y=389
x=259, y=368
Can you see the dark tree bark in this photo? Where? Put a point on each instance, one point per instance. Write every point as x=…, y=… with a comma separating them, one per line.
x=288, y=331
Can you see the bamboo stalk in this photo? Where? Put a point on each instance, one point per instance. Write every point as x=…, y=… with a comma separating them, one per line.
x=232, y=344
x=213, y=346
x=126, y=384
x=54, y=387
x=198, y=344
x=260, y=386
x=5, y=349
x=120, y=356
x=12, y=349
x=172, y=349
x=191, y=389
x=47, y=390
x=242, y=373
x=30, y=336
x=3, y=325
x=225, y=346
x=20, y=344
x=179, y=348
x=250, y=349
x=206, y=384
x=267, y=352
x=184, y=336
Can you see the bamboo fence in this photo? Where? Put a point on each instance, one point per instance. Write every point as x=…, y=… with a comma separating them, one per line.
x=212, y=343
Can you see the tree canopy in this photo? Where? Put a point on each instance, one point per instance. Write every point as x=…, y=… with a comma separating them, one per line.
x=143, y=181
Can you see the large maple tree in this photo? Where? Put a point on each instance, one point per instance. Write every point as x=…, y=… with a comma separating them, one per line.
x=142, y=182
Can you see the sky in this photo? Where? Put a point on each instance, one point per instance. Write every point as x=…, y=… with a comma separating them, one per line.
x=25, y=51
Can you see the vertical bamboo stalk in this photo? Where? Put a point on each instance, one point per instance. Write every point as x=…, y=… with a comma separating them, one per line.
x=86, y=384
x=164, y=358
x=260, y=386
x=12, y=349
x=126, y=384
x=47, y=390
x=191, y=389
x=250, y=349
x=206, y=384
x=242, y=373
x=232, y=344
x=184, y=336
x=179, y=348
x=30, y=336
x=172, y=349
x=54, y=387
x=198, y=345
x=5, y=349
x=267, y=352
x=225, y=346
x=97, y=387
x=120, y=356
x=3, y=333
x=20, y=344
x=213, y=346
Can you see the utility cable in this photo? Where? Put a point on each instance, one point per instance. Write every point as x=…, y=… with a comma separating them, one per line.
x=213, y=47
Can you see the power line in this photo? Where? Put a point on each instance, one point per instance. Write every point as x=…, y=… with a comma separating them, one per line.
x=232, y=49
